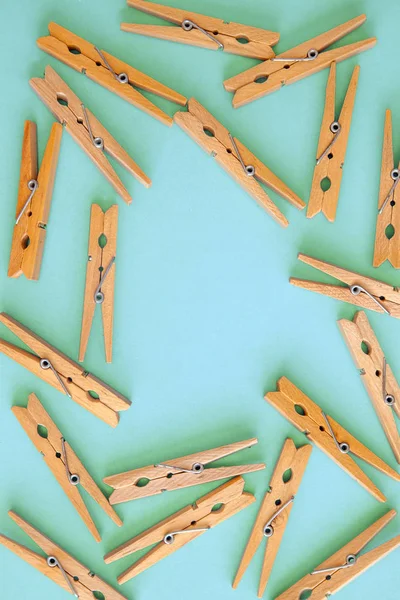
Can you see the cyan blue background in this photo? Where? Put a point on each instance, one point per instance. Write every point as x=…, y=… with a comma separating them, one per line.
x=205, y=319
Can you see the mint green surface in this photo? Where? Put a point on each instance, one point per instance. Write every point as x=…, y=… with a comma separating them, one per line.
x=205, y=319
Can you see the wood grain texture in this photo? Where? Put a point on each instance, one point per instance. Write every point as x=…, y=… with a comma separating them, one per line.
x=331, y=165
x=278, y=74
x=89, y=62
x=83, y=386
x=370, y=366
x=87, y=583
x=259, y=41
x=279, y=492
x=308, y=418
x=323, y=586
x=387, y=248
x=51, y=89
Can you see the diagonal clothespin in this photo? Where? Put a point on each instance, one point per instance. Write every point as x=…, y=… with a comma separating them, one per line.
x=86, y=130
x=62, y=461
x=63, y=374
x=387, y=238
x=241, y=164
x=327, y=434
x=360, y=290
x=178, y=473
x=295, y=64
x=274, y=511
x=33, y=204
x=108, y=71
x=100, y=275
x=204, y=31
x=58, y=565
x=331, y=150
x=185, y=525
x=343, y=566
x=376, y=374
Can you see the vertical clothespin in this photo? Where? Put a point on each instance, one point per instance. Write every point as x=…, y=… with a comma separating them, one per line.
x=33, y=204
x=274, y=511
x=376, y=374
x=59, y=566
x=331, y=150
x=100, y=276
x=62, y=461
x=343, y=566
x=387, y=239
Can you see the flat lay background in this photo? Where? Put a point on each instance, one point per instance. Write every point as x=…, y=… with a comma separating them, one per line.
x=205, y=319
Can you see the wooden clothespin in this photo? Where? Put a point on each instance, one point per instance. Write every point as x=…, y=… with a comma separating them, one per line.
x=327, y=434
x=376, y=374
x=295, y=64
x=64, y=374
x=62, y=461
x=33, y=204
x=274, y=511
x=362, y=291
x=185, y=525
x=387, y=239
x=58, y=565
x=331, y=150
x=343, y=566
x=108, y=71
x=178, y=473
x=100, y=276
x=203, y=31
x=86, y=130
x=241, y=164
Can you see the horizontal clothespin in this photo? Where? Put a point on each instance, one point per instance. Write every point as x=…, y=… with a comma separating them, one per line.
x=204, y=31
x=241, y=164
x=63, y=374
x=108, y=71
x=331, y=150
x=62, y=461
x=295, y=64
x=275, y=509
x=185, y=525
x=178, y=473
x=58, y=565
x=387, y=238
x=100, y=276
x=86, y=130
x=327, y=434
x=34, y=200
x=362, y=291
x=343, y=566
x=376, y=374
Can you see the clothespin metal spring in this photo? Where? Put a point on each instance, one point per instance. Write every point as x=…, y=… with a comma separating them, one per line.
x=121, y=77
x=32, y=186
x=351, y=560
x=268, y=530
x=388, y=399
x=196, y=468
x=335, y=128
x=169, y=538
x=98, y=142
x=311, y=55
x=98, y=294
x=344, y=447
x=357, y=289
x=395, y=175
x=188, y=25
x=73, y=478
x=248, y=169
x=46, y=364
x=53, y=562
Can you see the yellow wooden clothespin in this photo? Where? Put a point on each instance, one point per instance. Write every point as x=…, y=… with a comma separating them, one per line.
x=204, y=31
x=62, y=461
x=86, y=130
x=178, y=473
x=33, y=204
x=63, y=374
x=182, y=527
x=108, y=71
x=343, y=566
x=275, y=509
x=59, y=566
x=376, y=374
x=331, y=150
x=387, y=238
x=327, y=434
x=362, y=291
x=100, y=276
x=241, y=164
x=295, y=64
